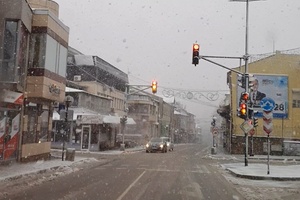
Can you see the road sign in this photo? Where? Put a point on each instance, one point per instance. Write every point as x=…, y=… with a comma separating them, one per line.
x=246, y=126
x=267, y=104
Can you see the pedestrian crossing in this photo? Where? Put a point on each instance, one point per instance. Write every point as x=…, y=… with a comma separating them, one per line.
x=202, y=169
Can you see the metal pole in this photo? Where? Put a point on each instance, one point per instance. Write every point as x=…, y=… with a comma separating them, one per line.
x=64, y=135
x=123, y=123
x=246, y=57
x=252, y=146
x=268, y=154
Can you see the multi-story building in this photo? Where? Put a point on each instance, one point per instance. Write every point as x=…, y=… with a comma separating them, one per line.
x=277, y=77
x=33, y=57
x=99, y=78
x=144, y=109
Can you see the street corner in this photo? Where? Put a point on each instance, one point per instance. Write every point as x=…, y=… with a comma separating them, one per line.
x=134, y=150
x=260, y=171
x=220, y=156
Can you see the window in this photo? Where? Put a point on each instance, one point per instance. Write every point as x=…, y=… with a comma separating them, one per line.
x=48, y=53
x=43, y=137
x=9, y=51
x=296, y=99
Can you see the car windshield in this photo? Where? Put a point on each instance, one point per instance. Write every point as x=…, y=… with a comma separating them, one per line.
x=156, y=140
x=149, y=99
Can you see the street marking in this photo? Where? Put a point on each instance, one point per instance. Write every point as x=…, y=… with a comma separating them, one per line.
x=101, y=168
x=122, y=168
x=130, y=186
x=203, y=169
x=159, y=170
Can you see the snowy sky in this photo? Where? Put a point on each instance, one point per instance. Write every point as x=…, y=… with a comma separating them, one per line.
x=153, y=39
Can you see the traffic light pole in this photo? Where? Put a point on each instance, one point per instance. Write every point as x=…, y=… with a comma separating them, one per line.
x=246, y=58
x=205, y=58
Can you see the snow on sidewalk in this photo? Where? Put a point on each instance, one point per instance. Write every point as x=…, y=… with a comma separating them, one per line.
x=259, y=171
x=22, y=169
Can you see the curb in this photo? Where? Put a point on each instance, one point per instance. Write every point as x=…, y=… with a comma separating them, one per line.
x=252, y=177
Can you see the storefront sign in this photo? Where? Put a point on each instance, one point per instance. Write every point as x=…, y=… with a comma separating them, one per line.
x=12, y=97
x=54, y=89
x=89, y=119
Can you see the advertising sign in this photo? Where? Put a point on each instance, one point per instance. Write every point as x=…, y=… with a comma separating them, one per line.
x=271, y=86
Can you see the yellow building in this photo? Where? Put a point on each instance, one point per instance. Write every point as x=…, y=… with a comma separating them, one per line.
x=278, y=78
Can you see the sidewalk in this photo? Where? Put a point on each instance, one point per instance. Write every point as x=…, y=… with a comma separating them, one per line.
x=287, y=169
x=17, y=170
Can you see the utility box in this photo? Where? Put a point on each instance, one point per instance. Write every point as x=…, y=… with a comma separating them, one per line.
x=70, y=154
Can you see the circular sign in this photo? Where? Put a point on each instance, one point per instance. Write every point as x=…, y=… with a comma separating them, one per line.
x=267, y=104
x=215, y=133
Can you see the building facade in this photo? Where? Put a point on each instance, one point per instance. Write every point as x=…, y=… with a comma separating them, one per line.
x=277, y=77
x=33, y=66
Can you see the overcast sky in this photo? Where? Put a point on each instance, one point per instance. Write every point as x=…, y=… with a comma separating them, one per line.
x=152, y=39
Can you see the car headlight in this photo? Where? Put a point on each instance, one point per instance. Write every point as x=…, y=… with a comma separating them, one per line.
x=161, y=146
x=147, y=145
x=168, y=144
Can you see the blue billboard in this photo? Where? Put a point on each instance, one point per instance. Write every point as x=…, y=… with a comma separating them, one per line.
x=271, y=86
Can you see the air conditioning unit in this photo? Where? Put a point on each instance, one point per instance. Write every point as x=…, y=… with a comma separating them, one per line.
x=77, y=78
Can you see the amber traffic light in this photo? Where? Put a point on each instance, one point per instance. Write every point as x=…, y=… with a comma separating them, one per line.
x=154, y=87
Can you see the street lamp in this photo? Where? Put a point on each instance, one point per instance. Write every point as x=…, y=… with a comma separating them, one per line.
x=68, y=102
x=213, y=124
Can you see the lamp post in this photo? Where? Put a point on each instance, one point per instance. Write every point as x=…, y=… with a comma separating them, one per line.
x=213, y=124
x=68, y=102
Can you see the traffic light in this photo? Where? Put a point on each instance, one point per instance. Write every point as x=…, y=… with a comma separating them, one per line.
x=154, y=87
x=243, y=106
x=213, y=123
x=244, y=97
x=241, y=81
x=255, y=122
x=242, y=111
x=252, y=80
x=195, y=58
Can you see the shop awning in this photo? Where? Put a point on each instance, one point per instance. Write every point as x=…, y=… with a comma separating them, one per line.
x=108, y=119
x=12, y=97
x=77, y=112
x=90, y=119
x=130, y=121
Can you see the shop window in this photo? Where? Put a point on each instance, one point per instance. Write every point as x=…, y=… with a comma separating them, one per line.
x=31, y=136
x=43, y=137
x=47, y=53
x=7, y=67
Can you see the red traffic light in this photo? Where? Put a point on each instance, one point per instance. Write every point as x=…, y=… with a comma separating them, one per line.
x=245, y=96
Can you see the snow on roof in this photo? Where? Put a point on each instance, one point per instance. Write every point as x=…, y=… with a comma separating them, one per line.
x=68, y=89
x=180, y=113
x=84, y=60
